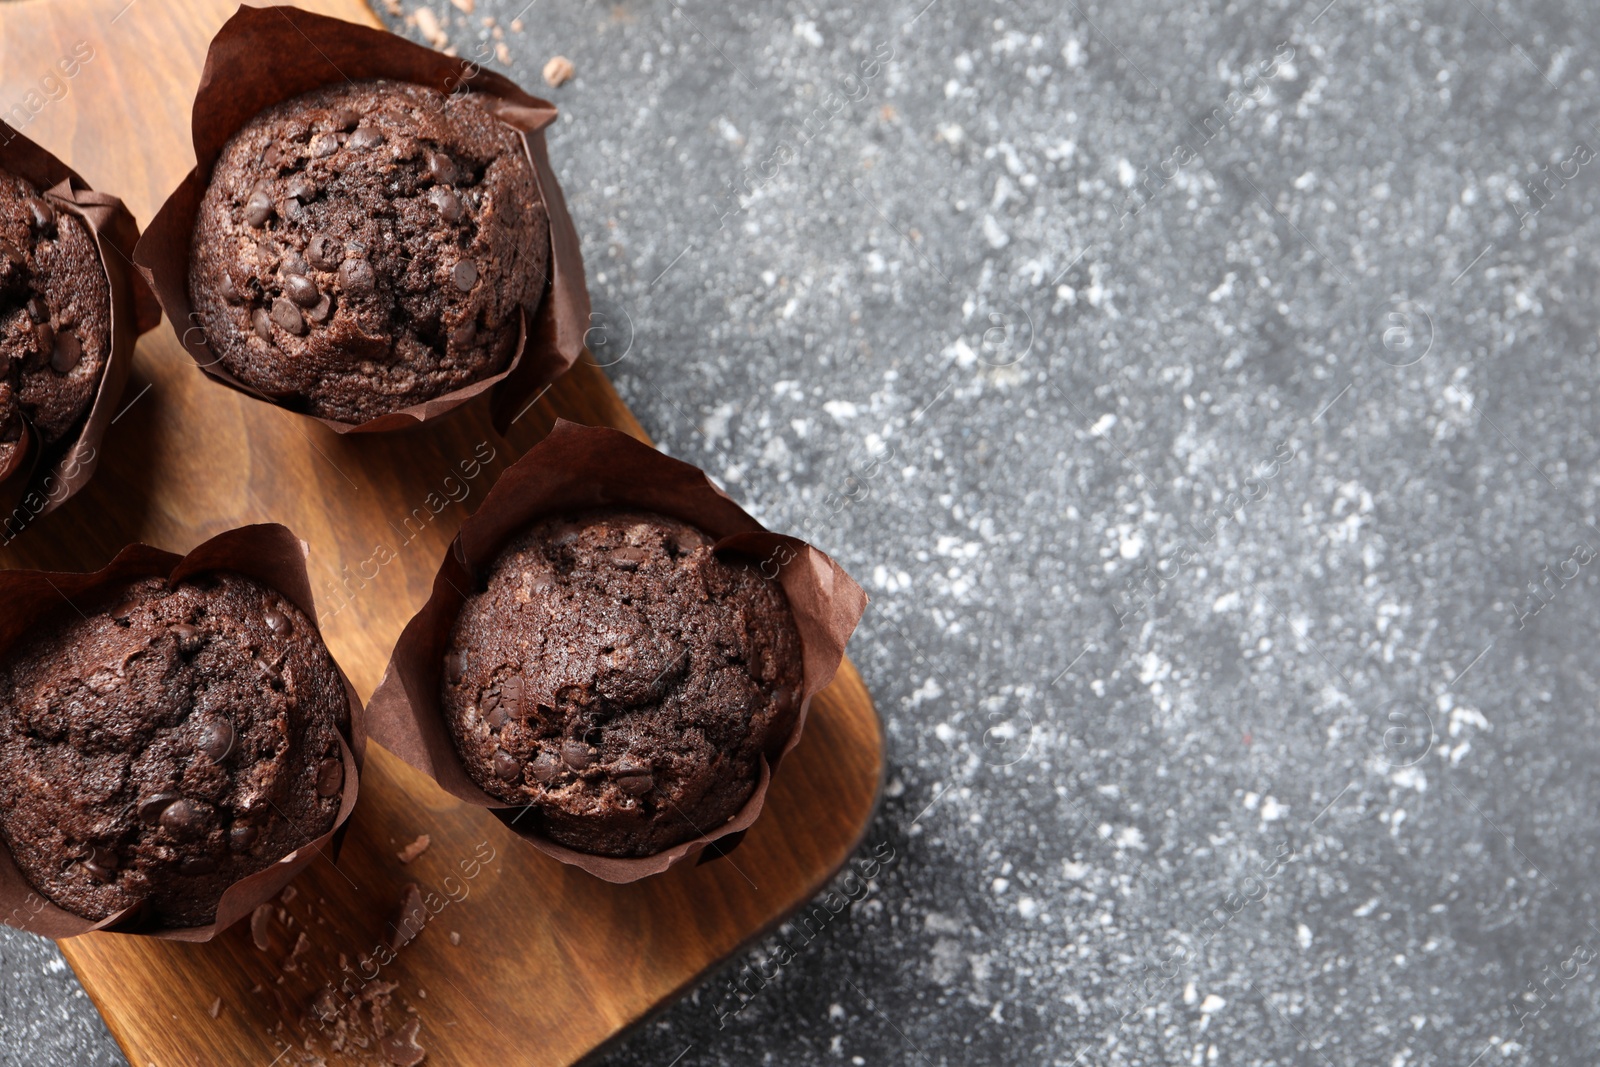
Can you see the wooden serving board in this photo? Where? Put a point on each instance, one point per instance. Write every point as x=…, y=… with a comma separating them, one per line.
x=525, y=961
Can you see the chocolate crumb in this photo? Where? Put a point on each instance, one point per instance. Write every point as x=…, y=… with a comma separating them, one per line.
x=415, y=849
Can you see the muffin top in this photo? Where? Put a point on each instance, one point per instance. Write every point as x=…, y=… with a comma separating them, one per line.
x=165, y=743
x=367, y=246
x=55, y=318
x=623, y=679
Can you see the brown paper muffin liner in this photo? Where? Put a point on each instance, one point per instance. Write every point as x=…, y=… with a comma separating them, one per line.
x=41, y=479
x=263, y=56
x=270, y=554
x=580, y=468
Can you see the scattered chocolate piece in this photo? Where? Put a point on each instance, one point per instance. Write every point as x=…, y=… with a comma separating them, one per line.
x=260, y=926
x=411, y=918
x=415, y=849
x=330, y=777
x=465, y=275
x=401, y=1048
x=216, y=1008
x=277, y=622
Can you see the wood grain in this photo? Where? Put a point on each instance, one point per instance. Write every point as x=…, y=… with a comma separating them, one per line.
x=526, y=961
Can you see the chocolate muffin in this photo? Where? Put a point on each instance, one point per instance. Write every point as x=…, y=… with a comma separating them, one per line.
x=165, y=743
x=622, y=679
x=55, y=320
x=368, y=246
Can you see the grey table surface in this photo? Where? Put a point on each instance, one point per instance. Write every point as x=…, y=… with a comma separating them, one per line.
x=1204, y=394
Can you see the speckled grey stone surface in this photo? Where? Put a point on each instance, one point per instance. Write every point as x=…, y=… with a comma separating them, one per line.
x=1197, y=390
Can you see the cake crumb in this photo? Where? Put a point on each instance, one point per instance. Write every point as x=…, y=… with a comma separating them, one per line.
x=415, y=849
x=216, y=1007
x=393, y=7
x=455, y=937
x=464, y=6
x=516, y=25
x=428, y=26
x=558, y=71
x=502, y=53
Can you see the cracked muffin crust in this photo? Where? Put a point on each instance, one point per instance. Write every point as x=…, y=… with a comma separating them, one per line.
x=368, y=246
x=55, y=320
x=623, y=679
x=166, y=743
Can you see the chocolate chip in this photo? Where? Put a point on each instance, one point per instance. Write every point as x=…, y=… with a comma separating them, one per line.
x=496, y=716
x=262, y=324
x=272, y=155
x=636, y=784
x=276, y=621
x=151, y=807
x=322, y=311
x=230, y=289
x=301, y=290
x=101, y=863
x=301, y=188
x=448, y=203
x=258, y=209
x=545, y=767
x=346, y=119
x=41, y=214
x=627, y=557
x=195, y=866
x=506, y=767
x=324, y=146
x=242, y=836
x=183, y=818
x=287, y=316
x=290, y=209
x=511, y=695
x=365, y=137
x=67, y=354
x=441, y=168
x=37, y=310
x=324, y=252
x=188, y=637
x=465, y=275
x=576, y=755
x=46, y=336
x=216, y=739
x=455, y=665
x=464, y=334
x=356, y=276
x=330, y=777
x=294, y=263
